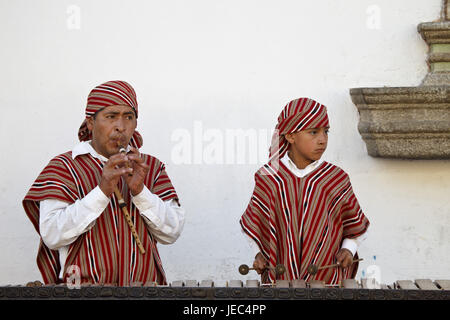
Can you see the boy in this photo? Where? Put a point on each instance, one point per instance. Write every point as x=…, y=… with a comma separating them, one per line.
x=303, y=210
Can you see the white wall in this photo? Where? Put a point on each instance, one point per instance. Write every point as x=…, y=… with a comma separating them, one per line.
x=217, y=66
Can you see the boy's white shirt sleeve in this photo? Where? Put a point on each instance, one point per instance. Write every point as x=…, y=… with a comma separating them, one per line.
x=354, y=243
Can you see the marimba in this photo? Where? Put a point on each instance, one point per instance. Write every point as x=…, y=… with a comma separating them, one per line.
x=420, y=289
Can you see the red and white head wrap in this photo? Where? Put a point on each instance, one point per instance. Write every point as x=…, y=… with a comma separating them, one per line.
x=109, y=94
x=299, y=114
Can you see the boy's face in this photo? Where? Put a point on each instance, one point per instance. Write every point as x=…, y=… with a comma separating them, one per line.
x=308, y=145
x=112, y=126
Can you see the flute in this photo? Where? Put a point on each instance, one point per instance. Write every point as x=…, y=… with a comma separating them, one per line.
x=123, y=206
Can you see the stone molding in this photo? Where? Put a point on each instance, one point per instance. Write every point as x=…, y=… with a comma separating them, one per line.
x=412, y=122
x=405, y=123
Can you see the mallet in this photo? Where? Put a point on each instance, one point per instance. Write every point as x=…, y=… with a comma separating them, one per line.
x=313, y=269
x=279, y=269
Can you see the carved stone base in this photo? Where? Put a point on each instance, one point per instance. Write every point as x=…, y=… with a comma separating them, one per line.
x=436, y=78
x=405, y=122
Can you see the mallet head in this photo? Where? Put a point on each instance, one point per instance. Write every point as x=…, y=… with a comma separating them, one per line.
x=243, y=269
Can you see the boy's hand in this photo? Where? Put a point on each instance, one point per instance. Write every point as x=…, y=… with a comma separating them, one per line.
x=260, y=263
x=345, y=258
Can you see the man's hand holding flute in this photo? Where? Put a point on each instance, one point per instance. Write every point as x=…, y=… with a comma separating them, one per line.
x=129, y=166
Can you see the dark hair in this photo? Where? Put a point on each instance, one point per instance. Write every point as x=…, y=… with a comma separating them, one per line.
x=95, y=114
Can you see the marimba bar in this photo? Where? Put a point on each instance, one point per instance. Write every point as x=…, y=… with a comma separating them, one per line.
x=350, y=289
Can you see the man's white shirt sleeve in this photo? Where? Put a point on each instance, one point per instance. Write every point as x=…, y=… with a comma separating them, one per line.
x=61, y=223
x=164, y=218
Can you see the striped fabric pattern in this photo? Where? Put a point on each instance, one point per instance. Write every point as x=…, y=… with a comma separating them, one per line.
x=107, y=253
x=110, y=93
x=299, y=114
x=302, y=221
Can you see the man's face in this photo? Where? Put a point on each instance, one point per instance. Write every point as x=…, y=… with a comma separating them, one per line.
x=112, y=128
x=310, y=144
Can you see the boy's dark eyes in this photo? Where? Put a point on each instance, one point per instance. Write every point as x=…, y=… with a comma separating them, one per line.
x=314, y=132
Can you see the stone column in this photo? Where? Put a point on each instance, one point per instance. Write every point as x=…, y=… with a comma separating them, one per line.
x=446, y=10
x=437, y=36
x=412, y=122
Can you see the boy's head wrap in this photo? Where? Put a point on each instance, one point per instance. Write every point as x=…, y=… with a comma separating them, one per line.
x=299, y=114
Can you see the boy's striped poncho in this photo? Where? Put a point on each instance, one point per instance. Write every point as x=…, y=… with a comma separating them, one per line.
x=302, y=221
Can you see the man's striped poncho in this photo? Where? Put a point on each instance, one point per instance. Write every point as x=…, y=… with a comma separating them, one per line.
x=107, y=253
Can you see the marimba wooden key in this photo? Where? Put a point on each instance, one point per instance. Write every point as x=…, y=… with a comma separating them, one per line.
x=443, y=284
x=426, y=284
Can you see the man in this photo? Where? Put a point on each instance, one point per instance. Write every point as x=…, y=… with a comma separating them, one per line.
x=303, y=210
x=73, y=205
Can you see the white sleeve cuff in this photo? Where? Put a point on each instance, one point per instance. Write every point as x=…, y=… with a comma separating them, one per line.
x=350, y=244
x=145, y=199
x=164, y=218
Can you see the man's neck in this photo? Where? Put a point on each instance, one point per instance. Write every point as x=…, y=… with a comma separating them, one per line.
x=97, y=151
